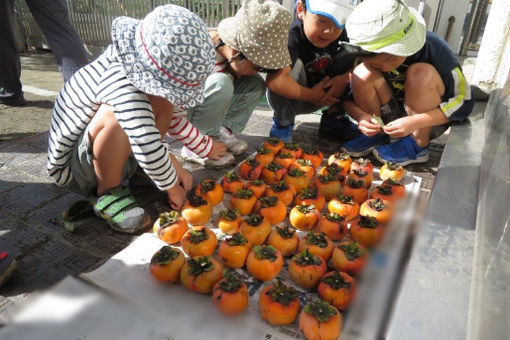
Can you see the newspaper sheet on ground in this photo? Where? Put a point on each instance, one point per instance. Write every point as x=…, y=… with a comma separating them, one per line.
x=187, y=315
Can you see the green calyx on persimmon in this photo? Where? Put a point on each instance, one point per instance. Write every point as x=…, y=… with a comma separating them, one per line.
x=377, y=204
x=268, y=202
x=368, y=222
x=195, y=200
x=351, y=250
x=320, y=309
x=282, y=293
x=305, y=258
x=168, y=218
x=305, y=208
x=244, y=193
x=164, y=256
x=231, y=281
x=317, y=239
x=199, y=265
x=255, y=220
x=286, y=232
x=198, y=235
x=334, y=217
x=229, y=214
x=236, y=239
x=264, y=252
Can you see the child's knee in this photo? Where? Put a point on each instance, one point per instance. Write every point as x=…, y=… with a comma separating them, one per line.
x=364, y=76
x=220, y=87
x=421, y=75
x=104, y=118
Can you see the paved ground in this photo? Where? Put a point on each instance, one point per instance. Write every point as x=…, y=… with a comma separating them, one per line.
x=30, y=206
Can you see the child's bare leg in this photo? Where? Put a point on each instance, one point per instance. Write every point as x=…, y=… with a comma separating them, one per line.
x=370, y=89
x=110, y=148
x=423, y=91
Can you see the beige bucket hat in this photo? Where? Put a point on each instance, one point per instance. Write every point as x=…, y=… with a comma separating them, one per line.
x=260, y=31
x=386, y=26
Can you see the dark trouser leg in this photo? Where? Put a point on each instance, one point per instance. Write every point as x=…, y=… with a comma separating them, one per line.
x=10, y=66
x=53, y=19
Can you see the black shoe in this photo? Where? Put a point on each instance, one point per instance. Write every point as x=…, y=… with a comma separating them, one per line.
x=338, y=126
x=12, y=98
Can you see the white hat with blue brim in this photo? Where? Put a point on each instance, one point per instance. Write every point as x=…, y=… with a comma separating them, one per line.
x=336, y=10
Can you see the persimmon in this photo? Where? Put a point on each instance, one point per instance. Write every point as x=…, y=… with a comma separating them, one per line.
x=306, y=269
x=337, y=288
x=320, y=321
x=211, y=191
x=196, y=210
x=284, y=239
x=256, y=229
x=381, y=210
x=200, y=274
x=344, y=206
x=250, y=169
x=367, y=231
x=398, y=189
x=311, y=196
x=257, y=186
x=361, y=175
x=318, y=244
x=273, y=173
x=297, y=178
x=272, y=209
x=199, y=241
x=362, y=164
x=229, y=221
x=328, y=185
x=355, y=189
x=230, y=294
x=166, y=264
x=243, y=200
x=349, y=257
x=383, y=192
x=170, y=227
x=264, y=262
x=284, y=159
x=391, y=170
x=233, y=251
x=283, y=191
x=333, y=225
x=279, y=303
x=231, y=182
x=304, y=165
x=304, y=216
x=341, y=159
x=273, y=143
x=264, y=156
x=334, y=170
x=313, y=155
x=293, y=148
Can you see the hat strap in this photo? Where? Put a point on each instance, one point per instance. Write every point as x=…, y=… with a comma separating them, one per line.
x=380, y=43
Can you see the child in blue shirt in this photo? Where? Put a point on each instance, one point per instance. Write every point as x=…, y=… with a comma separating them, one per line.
x=413, y=81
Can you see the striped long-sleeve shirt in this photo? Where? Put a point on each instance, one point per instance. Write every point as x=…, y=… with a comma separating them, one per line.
x=103, y=82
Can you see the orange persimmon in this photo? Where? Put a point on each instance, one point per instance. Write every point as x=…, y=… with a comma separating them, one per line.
x=264, y=262
x=231, y=182
x=320, y=321
x=166, y=264
x=344, y=206
x=304, y=165
x=264, y=156
x=306, y=269
x=199, y=241
x=355, y=189
x=233, y=251
x=257, y=186
x=293, y=148
x=367, y=231
x=170, y=227
x=256, y=229
x=391, y=170
x=361, y=175
x=333, y=225
x=284, y=159
x=196, y=210
x=243, y=200
x=349, y=257
x=311, y=196
x=230, y=294
x=341, y=159
x=229, y=221
x=284, y=239
x=328, y=185
x=313, y=155
x=304, y=217
x=335, y=170
x=283, y=191
x=273, y=143
x=210, y=190
x=337, y=288
x=273, y=173
x=383, y=192
x=250, y=169
x=200, y=274
x=398, y=189
x=362, y=164
x=272, y=209
x=381, y=210
x=279, y=303
x=318, y=244
x=297, y=178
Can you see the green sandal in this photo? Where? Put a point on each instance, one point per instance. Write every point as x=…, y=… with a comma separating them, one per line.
x=120, y=210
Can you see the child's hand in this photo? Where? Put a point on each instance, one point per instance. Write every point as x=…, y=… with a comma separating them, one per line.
x=318, y=92
x=218, y=150
x=368, y=125
x=400, y=127
x=335, y=88
x=176, y=196
x=184, y=176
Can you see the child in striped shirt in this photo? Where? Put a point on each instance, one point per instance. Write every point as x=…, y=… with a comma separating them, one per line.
x=111, y=116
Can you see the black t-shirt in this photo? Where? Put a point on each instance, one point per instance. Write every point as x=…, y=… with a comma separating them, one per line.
x=317, y=61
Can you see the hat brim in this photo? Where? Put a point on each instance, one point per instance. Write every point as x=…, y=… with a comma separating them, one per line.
x=125, y=34
x=331, y=10
x=228, y=30
x=412, y=42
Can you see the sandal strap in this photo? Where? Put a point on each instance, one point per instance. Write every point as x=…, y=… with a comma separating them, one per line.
x=112, y=203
